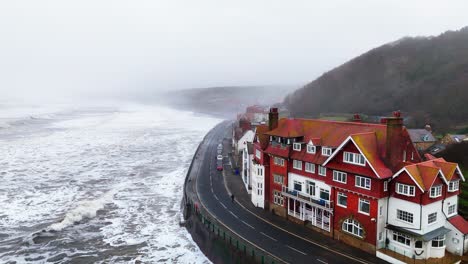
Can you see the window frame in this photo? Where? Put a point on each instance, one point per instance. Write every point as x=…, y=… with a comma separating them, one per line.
x=363, y=201
x=297, y=146
x=276, y=177
x=297, y=164
x=311, y=149
x=358, y=178
x=453, y=184
x=439, y=241
x=432, y=217
x=435, y=191
x=405, y=238
x=326, y=151
x=278, y=161
x=356, y=228
x=278, y=198
x=258, y=154
x=309, y=165
x=351, y=157
x=322, y=171
x=406, y=189
x=338, y=176
x=342, y=194
x=405, y=216
x=309, y=184
x=454, y=206
x=298, y=183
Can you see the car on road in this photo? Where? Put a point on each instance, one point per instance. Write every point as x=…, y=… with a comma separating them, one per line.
x=220, y=146
x=219, y=157
x=219, y=166
x=220, y=151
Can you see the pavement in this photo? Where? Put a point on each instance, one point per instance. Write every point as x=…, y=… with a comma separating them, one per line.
x=285, y=240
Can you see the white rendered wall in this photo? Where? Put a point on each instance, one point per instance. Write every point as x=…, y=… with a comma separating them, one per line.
x=318, y=184
x=258, y=179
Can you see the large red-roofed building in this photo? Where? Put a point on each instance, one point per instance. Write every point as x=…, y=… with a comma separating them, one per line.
x=364, y=184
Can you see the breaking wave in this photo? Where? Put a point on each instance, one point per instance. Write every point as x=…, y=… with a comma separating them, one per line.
x=84, y=210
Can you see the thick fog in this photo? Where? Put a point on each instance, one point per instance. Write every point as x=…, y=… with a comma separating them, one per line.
x=110, y=48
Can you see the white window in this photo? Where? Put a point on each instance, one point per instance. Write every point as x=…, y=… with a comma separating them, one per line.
x=325, y=194
x=385, y=186
x=432, y=218
x=326, y=151
x=278, y=161
x=342, y=199
x=418, y=244
x=278, y=178
x=311, y=188
x=353, y=227
x=278, y=198
x=364, y=206
x=311, y=149
x=436, y=191
x=401, y=238
x=439, y=241
x=404, y=155
x=339, y=176
x=381, y=210
x=322, y=171
x=454, y=186
x=310, y=167
x=405, y=189
x=363, y=182
x=405, y=216
x=297, y=164
x=298, y=186
x=297, y=146
x=354, y=158
x=258, y=154
x=452, y=209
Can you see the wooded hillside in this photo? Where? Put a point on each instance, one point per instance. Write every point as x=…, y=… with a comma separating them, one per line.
x=424, y=77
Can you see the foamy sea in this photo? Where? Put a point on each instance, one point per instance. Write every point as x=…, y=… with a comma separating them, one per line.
x=87, y=184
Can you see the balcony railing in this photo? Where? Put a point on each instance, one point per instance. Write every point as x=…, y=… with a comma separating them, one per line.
x=325, y=204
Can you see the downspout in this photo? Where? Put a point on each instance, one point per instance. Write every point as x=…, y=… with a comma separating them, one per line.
x=333, y=215
x=420, y=211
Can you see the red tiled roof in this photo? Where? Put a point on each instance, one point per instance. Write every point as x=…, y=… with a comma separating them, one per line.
x=330, y=133
x=278, y=151
x=262, y=137
x=459, y=223
x=367, y=144
x=423, y=175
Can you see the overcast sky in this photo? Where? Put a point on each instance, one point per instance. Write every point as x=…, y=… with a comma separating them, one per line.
x=120, y=47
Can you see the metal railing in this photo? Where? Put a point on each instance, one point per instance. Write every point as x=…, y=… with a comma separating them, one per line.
x=310, y=199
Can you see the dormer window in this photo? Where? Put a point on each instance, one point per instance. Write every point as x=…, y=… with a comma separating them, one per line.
x=454, y=186
x=354, y=158
x=436, y=191
x=297, y=146
x=311, y=149
x=326, y=151
x=288, y=141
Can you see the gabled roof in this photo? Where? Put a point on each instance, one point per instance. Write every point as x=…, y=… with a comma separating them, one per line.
x=459, y=223
x=425, y=173
x=366, y=143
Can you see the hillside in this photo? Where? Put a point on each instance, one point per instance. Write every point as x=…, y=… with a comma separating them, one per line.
x=424, y=77
x=225, y=101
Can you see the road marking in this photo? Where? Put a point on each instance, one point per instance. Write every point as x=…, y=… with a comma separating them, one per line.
x=216, y=197
x=297, y=250
x=269, y=236
x=234, y=215
x=223, y=205
x=322, y=261
x=248, y=224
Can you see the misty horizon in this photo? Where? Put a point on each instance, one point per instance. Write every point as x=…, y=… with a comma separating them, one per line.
x=120, y=49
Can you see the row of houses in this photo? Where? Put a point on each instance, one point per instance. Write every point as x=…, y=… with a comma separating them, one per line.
x=361, y=183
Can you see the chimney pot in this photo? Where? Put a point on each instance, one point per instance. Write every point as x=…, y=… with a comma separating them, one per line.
x=357, y=118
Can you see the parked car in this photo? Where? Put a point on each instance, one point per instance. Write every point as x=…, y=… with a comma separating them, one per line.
x=220, y=151
x=219, y=157
x=220, y=146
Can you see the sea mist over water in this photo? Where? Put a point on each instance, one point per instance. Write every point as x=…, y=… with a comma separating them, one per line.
x=96, y=184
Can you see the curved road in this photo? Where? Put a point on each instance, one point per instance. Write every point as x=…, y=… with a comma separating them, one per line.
x=214, y=196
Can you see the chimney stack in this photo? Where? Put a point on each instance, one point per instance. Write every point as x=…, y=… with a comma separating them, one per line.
x=273, y=118
x=357, y=118
x=428, y=128
x=395, y=145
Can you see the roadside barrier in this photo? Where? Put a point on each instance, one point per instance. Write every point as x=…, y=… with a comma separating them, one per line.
x=246, y=251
